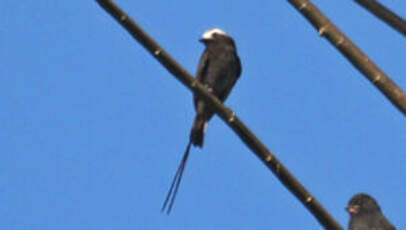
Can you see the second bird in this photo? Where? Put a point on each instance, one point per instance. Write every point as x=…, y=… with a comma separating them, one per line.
x=219, y=69
x=366, y=214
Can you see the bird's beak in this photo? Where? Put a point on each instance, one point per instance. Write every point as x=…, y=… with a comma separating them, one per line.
x=204, y=40
x=352, y=209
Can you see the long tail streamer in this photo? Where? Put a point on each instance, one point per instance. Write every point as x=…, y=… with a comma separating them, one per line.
x=170, y=198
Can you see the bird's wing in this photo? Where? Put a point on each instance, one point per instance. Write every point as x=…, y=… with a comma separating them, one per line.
x=223, y=95
x=386, y=225
x=202, y=71
x=202, y=68
x=239, y=67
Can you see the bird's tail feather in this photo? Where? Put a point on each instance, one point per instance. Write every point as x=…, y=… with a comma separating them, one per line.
x=198, y=129
x=176, y=182
x=196, y=138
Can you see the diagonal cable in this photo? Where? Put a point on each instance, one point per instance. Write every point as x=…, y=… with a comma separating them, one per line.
x=385, y=14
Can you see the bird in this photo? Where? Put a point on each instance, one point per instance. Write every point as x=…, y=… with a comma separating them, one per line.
x=218, y=70
x=365, y=214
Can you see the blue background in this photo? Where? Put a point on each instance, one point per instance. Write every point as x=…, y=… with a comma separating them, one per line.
x=93, y=128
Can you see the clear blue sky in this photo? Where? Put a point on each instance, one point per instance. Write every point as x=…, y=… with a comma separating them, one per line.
x=93, y=128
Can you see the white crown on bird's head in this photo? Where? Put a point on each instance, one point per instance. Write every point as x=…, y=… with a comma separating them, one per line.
x=208, y=34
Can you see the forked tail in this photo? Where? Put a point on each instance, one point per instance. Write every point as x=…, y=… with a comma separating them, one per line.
x=170, y=198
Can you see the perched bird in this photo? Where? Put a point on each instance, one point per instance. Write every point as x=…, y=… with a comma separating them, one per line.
x=219, y=69
x=365, y=214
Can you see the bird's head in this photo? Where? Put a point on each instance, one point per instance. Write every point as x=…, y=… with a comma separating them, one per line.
x=362, y=204
x=215, y=35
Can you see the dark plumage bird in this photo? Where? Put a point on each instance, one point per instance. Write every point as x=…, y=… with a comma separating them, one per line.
x=219, y=69
x=366, y=214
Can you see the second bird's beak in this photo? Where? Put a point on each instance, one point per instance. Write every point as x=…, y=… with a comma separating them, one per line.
x=352, y=209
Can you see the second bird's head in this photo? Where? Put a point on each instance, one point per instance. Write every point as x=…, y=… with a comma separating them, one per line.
x=362, y=204
x=215, y=36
